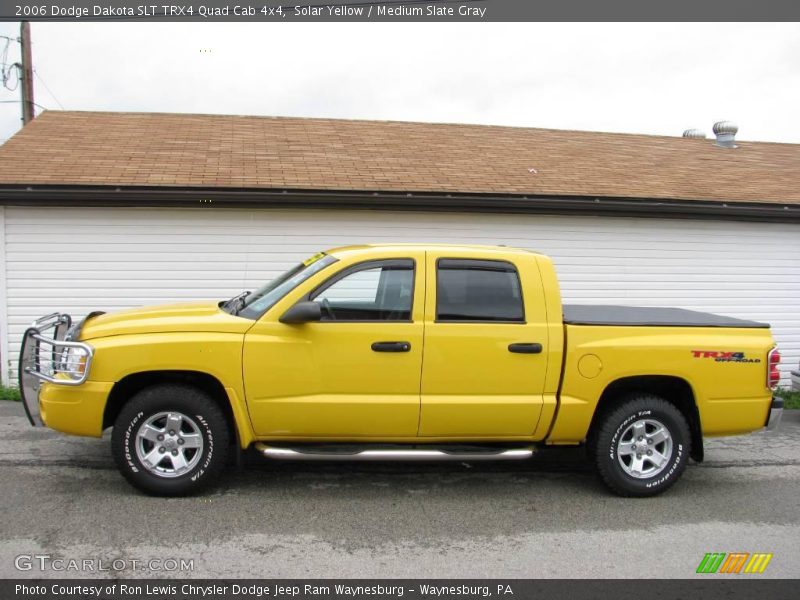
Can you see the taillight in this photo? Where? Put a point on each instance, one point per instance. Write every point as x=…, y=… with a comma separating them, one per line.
x=773, y=375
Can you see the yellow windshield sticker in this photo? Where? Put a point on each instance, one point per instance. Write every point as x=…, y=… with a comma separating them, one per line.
x=311, y=260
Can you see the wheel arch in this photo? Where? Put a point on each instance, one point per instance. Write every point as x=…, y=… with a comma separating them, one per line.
x=673, y=389
x=130, y=385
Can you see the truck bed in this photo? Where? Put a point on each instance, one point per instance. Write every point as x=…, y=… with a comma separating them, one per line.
x=640, y=316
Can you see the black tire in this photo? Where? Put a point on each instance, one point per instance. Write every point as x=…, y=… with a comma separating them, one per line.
x=204, y=422
x=613, y=429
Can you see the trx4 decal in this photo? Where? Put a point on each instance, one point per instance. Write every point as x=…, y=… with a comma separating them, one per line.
x=719, y=356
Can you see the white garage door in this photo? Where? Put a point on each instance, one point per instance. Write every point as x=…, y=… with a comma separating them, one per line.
x=78, y=260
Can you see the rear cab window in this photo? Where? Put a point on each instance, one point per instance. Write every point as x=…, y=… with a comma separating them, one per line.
x=473, y=290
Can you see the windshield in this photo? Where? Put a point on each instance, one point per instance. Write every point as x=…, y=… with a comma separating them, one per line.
x=257, y=303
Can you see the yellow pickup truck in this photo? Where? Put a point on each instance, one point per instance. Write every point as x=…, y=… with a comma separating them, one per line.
x=401, y=352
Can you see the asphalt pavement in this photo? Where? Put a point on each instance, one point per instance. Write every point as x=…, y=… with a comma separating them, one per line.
x=63, y=499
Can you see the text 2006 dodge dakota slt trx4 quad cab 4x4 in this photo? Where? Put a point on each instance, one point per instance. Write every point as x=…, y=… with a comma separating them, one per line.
x=401, y=352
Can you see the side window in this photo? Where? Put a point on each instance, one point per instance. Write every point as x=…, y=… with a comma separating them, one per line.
x=372, y=291
x=478, y=290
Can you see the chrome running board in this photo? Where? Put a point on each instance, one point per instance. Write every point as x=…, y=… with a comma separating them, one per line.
x=348, y=453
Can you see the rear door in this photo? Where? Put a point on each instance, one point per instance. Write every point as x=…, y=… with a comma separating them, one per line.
x=483, y=369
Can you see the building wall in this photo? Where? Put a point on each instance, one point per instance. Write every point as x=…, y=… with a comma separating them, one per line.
x=77, y=260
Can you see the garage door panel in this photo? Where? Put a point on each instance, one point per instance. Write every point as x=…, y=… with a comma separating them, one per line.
x=83, y=259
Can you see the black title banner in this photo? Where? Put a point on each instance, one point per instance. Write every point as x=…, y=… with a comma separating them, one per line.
x=406, y=11
x=386, y=589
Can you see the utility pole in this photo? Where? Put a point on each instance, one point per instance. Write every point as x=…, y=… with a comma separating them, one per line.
x=26, y=72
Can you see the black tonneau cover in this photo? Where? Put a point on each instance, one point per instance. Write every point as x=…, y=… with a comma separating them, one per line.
x=603, y=314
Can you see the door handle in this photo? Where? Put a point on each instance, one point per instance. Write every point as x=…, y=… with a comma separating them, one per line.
x=525, y=348
x=391, y=346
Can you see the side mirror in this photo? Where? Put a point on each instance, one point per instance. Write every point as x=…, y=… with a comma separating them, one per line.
x=302, y=312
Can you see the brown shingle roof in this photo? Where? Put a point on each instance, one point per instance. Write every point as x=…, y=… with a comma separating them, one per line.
x=164, y=150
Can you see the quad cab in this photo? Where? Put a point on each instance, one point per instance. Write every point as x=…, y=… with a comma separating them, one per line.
x=401, y=352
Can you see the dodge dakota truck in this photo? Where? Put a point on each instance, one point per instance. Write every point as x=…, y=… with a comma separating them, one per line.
x=401, y=352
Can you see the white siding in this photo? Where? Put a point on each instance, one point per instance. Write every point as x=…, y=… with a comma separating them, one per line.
x=77, y=260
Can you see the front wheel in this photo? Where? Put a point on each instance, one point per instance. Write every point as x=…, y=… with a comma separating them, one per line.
x=170, y=440
x=641, y=447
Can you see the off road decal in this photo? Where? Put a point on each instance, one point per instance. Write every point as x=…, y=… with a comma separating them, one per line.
x=720, y=356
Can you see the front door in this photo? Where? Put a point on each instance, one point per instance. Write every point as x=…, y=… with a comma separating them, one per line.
x=485, y=359
x=355, y=373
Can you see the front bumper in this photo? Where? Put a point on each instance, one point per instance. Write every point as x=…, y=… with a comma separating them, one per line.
x=40, y=360
x=77, y=410
x=775, y=413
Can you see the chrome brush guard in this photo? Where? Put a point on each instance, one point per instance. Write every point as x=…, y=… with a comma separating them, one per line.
x=44, y=358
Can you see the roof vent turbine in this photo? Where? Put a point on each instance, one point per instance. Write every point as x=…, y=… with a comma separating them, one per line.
x=695, y=134
x=726, y=134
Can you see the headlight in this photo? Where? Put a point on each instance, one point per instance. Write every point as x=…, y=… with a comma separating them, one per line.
x=73, y=331
x=73, y=362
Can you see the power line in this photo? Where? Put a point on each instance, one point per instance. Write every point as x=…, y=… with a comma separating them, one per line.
x=49, y=91
x=8, y=69
x=18, y=101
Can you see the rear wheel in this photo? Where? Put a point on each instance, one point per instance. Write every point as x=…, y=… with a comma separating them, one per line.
x=170, y=440
x=641, y=447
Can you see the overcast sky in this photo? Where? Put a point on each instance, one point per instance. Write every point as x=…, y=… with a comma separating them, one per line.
x=639, y=78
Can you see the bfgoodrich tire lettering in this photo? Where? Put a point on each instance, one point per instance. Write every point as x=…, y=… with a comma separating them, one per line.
x=629, y=442
x=170, y=440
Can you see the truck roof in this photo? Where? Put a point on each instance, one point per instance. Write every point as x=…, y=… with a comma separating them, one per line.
x=424, y=246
